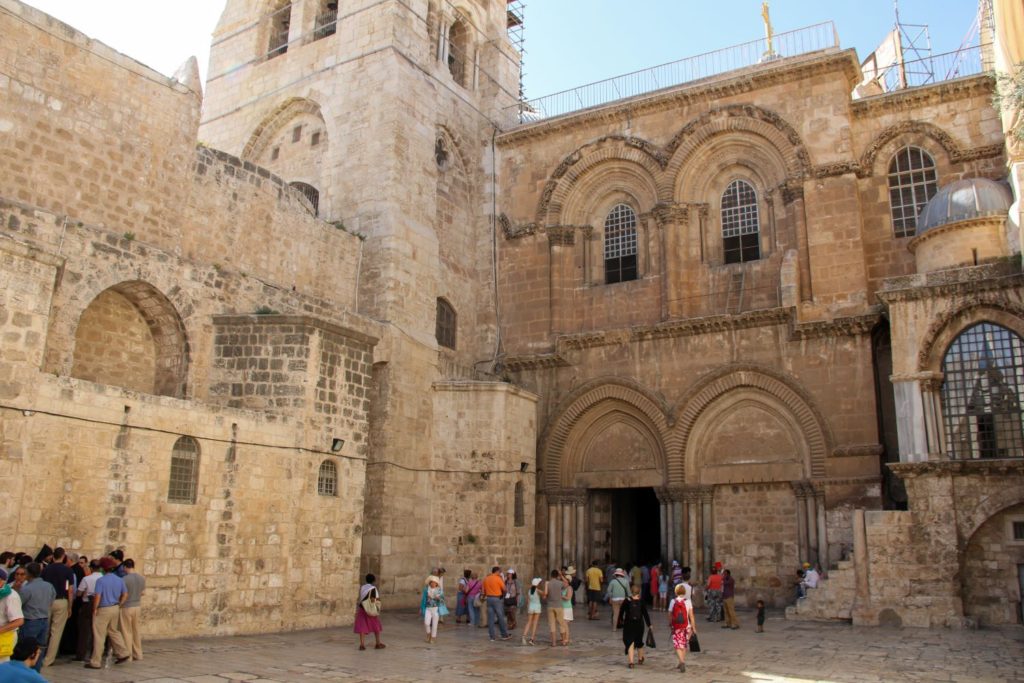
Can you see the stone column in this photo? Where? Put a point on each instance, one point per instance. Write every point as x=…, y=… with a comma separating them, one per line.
x=935, y=429
x=819, y=502
x=568, y=519
x=862, y=596
x=692, y=551
x=553, y=518
x=793, y=198
x=707, y=494
x=800, y=490
x=581, y=532
x=812, y=524
x=912, y=415
x=665, y=517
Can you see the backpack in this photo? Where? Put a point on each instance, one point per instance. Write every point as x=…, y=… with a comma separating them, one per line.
x=636, y=611
x=680, y=619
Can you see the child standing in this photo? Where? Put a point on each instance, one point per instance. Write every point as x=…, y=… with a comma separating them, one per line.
x=662, y=592
x=760, y=617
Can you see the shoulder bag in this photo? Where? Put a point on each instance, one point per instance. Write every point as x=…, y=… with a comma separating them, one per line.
x=371, y=604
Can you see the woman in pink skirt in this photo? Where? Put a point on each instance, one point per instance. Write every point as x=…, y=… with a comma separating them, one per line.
x=366, y=623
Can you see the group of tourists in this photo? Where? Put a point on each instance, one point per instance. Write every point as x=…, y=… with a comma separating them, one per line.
x=62, y=601
x=633, y=592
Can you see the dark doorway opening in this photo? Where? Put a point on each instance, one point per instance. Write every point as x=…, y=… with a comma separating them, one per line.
x=635, y=526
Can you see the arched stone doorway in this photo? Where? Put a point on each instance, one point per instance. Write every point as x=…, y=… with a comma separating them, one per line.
x=604, y=462
x=737, y=477
x=993, y=569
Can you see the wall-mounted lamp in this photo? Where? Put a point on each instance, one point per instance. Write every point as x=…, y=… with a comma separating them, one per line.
x=336, y=445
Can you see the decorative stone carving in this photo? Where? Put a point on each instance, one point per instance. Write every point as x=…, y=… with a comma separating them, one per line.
x=956, y=153
x=857, y=450
x=561, y=235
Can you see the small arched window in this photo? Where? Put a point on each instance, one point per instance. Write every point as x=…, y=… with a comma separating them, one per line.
x=519, y=507
x=741, y=225
x=983, y=377
x=620, y=245
x=912, y=182
x=184, y=480
x=280, y=23
x=446, y=324
x=327, y=479
x=311, y=194
x=458, y=51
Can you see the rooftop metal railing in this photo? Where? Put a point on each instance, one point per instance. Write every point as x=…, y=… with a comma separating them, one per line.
x=789, y=44
x=969, y=61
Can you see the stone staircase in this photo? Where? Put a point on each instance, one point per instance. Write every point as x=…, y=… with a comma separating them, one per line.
x=832, y=600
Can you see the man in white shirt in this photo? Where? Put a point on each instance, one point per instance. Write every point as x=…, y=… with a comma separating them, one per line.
x=810, y=576
x=86, y=589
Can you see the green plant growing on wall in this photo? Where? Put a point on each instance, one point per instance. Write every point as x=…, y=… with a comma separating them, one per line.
x=130, y=236
x=1009, y=97
x=265, y=310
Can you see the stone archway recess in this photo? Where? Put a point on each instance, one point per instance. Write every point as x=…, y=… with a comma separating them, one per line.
x=170, y=343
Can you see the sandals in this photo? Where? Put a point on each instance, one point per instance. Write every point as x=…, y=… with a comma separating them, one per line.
x=362, y=647
x=379, y=646
x=631, y=665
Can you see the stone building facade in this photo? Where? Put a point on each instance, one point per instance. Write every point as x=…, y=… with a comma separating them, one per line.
x=341, y=314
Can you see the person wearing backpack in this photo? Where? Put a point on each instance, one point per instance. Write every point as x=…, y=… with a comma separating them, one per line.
x=682, y=623
x=634, y=621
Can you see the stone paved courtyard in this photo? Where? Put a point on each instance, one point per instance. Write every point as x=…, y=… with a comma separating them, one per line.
x=787, y=651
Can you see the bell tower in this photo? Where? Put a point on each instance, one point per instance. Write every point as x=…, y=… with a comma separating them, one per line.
x=382, y=114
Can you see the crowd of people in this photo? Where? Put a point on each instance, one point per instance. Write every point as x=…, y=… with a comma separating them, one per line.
x=632, y=592
x=60, y=602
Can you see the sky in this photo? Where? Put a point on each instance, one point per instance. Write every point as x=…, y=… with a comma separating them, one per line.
x=568, y=42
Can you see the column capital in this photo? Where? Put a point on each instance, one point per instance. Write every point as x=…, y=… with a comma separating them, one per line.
x=567, y=496
x=668, y=213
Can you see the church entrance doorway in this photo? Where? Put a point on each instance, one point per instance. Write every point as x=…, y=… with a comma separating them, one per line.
x=627, y=525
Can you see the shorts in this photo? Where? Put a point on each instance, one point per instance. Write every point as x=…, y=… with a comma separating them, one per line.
x=594, y=596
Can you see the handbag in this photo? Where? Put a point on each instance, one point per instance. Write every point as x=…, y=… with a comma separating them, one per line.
x=371, y=606
x=694, y=643
x=442, y=609
x=649, y=641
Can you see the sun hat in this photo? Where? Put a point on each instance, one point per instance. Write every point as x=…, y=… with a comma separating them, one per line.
x=433, y=579
x=620, y=572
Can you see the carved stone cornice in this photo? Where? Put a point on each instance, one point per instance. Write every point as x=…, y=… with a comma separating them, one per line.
x=538, y=361
x=856, y=450
x=850, y=326
x=561, y=235
x=969, y=280
x=835, y=169
x=711, y=324
x=667, y=214
x=748, y=80
x=932, y=468
x=943, y=93
x=849, y=481
x=513, y=232
x=802, y=489
x=566, y=496
x=792, y=190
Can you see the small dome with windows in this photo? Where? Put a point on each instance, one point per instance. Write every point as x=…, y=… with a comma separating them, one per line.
x=964, y=224
x=963, y=200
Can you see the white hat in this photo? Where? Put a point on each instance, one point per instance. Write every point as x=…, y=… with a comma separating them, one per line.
x=511, y=571
x=536, y=581
x=433, y=579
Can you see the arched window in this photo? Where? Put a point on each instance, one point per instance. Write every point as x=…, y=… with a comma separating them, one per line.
x=326, y=20
x=912, y=182
x=519, y=508
x=620, y=245
x=184, y=471
x=741, y=226
x=458, y=51
x=983, y=376
x=446, y=324
x=280, y=22
x=311, y=194
x=327, y=479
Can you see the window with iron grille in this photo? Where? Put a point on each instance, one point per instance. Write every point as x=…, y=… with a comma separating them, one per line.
x=458, y=50
x=326, y=21
x=983, y=376
x=184, y=471
x=912, y=182
x=327, y=479
x=310, y=193
x=280, y=21
x=741, y=226
x=446, y=324
x=620, y=245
